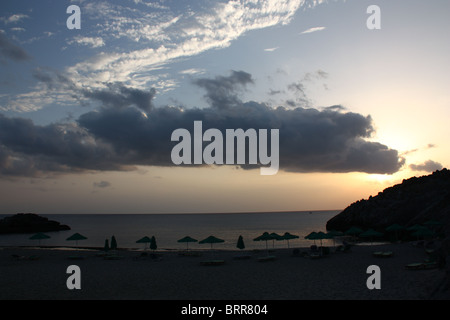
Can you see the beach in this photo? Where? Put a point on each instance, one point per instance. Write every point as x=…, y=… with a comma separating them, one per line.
x=30, y=273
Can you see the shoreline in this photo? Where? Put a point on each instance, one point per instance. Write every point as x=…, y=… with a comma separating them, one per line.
x=28, y=273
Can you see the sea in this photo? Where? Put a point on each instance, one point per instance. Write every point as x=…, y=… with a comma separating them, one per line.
x=169, y=228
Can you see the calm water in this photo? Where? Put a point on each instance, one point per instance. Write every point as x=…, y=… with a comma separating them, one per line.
x=168, y=228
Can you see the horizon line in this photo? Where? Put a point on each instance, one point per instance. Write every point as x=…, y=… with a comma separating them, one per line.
x=178, y=213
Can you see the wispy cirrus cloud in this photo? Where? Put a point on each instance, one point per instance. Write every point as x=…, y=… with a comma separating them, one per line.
x=314, y=29
x=192, y=71
x=136, y=43
x=173, y=36
x=93, y=42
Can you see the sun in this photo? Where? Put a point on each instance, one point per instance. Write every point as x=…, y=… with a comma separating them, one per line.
x=380, y=178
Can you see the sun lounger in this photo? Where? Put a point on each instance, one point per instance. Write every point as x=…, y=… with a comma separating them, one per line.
x=17, y=257
x=212, y=262
x=112, y=257
x=383, y=254
x=190, y=254
x=266, y=258
x=343, y=248
x=101, y=254
x=76, y=258
x=314, y=252
x=421, y=266
x=315, y=255
x=242, y=257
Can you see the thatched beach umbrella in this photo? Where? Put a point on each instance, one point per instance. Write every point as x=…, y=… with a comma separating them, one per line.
x=312, y=236
x=415, y=227
x=144, y=240
x=39, y=236
x=354, y=231
x=187, y=239
x=275, y=236
x=264, y=237
x=371, y=234
x=75, y=237
x=396, y=228
x=335, y=233
x=321, y=236
x=287, y=236
x=433, y=223
x=332, y=234
x=211, y=240
x=423, y=233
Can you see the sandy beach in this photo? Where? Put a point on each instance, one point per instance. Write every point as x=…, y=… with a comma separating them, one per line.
x=28, y=273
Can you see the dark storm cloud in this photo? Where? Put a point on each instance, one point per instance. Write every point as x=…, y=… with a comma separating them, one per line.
x=119, y=96
x=310, y=140
x=120, y=135
x=428, y=166
x=11, y=51
x=221, y=92
x=27, y=149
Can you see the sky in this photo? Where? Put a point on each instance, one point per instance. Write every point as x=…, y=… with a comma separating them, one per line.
x=87, y=114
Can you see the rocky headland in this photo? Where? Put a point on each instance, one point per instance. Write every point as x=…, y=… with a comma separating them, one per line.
x=415, y=201
x=28, y=223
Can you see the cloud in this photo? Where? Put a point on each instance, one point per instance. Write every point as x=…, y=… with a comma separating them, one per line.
x=299, y=88
x=271, y=49
x=150, y=39
x=428, y=166
x=164, y=36
x=93, y=42
x=310, y=140
x=192, y=71
x=14, y=18
x=18, y=29
x=428, y=146
x=27, y=149
x=102, y=184
x=11, y=51
x=314, y=29
x=335, y=108
x=221, y=91
x=273, y=92
x=120, y=136
x=119, y=96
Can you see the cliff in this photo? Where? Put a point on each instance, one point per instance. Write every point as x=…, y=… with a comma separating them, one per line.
x=28, y=223
x=415, y=200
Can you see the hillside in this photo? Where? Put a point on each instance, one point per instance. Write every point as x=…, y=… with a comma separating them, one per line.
x=28, y=223
x=415, y=200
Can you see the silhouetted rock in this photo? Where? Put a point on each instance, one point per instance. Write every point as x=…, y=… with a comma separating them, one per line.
x=414, y=201
x=28, y=223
